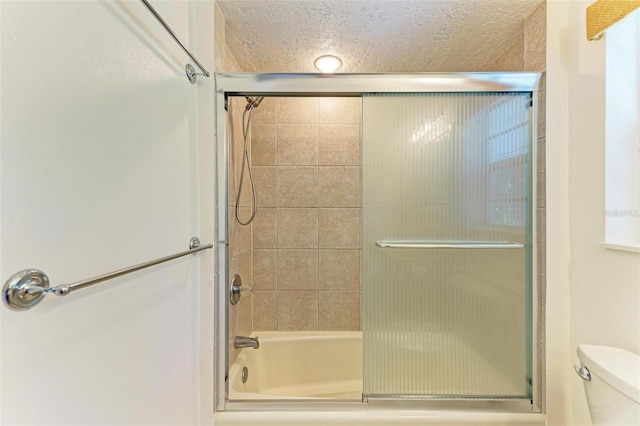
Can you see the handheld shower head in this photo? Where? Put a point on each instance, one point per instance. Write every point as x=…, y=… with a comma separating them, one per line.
x=256, y=101
x=253, y=102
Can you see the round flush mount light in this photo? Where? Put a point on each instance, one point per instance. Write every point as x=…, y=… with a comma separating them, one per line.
x=328, y=64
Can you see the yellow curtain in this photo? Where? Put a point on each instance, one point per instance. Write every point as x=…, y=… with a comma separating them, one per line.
x=604, y=13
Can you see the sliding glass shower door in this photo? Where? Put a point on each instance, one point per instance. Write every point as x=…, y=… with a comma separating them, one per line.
x=446, y=245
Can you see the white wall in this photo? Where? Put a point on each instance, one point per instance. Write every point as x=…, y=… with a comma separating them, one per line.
x=100, y=137
x=558, y=253
x=202, y=14
x=604, y=285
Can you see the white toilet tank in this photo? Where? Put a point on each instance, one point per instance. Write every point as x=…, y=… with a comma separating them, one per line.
x=613, y=393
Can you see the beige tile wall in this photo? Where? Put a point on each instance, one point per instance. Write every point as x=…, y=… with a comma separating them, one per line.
x=306, y=236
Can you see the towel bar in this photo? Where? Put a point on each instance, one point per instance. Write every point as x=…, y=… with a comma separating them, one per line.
x=27, y=288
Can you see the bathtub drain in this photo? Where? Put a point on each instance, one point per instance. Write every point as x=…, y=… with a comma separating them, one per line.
x=245, y=374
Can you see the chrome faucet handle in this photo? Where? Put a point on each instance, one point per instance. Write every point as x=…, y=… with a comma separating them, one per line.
x=236, y=289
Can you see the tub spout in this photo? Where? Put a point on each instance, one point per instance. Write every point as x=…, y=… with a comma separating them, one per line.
x=246, y=342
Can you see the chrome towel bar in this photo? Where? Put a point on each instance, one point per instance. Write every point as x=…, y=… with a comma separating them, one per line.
x=189, y=70
x=28, y=287
x=449, y=244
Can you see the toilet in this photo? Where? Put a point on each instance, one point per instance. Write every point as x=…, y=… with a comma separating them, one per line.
x=611, y=383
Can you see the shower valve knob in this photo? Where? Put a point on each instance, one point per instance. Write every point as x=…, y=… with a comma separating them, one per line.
x=235, y=289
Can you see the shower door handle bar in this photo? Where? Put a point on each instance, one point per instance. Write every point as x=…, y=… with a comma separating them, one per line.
x=28, y=287
x=449, y=244
x=175, y=37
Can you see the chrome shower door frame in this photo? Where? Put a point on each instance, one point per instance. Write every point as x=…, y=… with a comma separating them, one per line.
x=355, y=85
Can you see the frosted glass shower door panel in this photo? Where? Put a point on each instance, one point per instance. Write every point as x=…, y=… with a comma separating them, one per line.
x=446, y=245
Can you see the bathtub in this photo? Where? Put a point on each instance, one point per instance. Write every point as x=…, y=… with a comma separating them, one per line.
x=300, y=365
x=293, y=375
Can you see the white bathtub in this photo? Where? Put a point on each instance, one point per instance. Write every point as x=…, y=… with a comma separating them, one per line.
x=308, y=366
x=300, y=365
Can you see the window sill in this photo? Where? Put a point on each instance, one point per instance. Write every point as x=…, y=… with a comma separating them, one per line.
x=632, y=247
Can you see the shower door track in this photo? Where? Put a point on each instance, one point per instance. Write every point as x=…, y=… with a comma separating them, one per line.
x=355, y=85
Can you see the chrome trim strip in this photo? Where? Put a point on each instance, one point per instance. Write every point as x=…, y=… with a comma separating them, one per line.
x=355, y=84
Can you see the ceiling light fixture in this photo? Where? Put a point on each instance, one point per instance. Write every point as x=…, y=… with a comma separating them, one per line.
x=328, y=64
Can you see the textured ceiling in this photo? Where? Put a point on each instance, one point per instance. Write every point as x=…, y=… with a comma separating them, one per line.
x=372, y=35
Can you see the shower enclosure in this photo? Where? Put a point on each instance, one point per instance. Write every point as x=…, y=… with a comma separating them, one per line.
x=444, y=217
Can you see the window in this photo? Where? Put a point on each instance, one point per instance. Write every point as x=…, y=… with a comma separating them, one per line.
x=508, y=140
x=622, y=214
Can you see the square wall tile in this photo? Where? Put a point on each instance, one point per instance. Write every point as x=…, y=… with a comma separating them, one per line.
x=265, y=311
x=297, y=187
x=264, y=145
x=339, y=310
x=297, y=269
x=299, y=228
x=264, y=178
x=339, y=228
x=339, y=186
x=245, y=316
x=337, y=158
x=234, y=265
x=265, y=269
x=239, y=235
x=235, y=172
x=297, y=110
x=245, y=269
x=245, y=197
x=297, y=310
x=233, y=331
x=340, y=110
x=235, y=155
x=297, y=144
x=339, y=144
x=265, y=229
x=265, y=113
x=339, y=270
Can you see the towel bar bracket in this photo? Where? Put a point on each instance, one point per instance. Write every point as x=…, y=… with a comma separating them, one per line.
x=27, y=288
x=192, y=76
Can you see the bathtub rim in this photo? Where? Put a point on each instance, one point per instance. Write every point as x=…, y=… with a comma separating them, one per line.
x=523, y=406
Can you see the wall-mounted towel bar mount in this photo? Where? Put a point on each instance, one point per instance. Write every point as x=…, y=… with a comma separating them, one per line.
x=430, y=244
x=28, y=287
x=188, y=69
